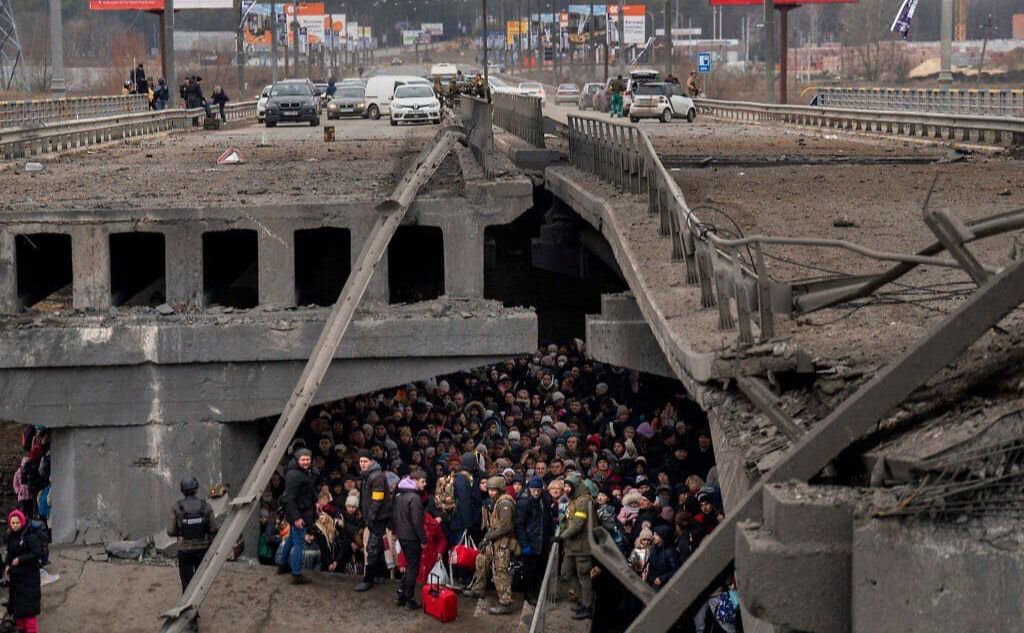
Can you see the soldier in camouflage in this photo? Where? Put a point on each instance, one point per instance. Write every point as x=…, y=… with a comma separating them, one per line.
x=573, y=536
x=497, y=548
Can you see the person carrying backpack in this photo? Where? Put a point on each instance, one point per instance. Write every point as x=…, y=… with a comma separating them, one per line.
x=193, y=526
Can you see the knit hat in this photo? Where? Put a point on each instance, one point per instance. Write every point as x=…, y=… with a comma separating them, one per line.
x=365, y=452
x=535, y=482
x=20, y=515
x=352, y=500
x=645, y=534
x=514, y=436
x=633, y=496
x=665, y=532
x=469, y=461
x=303, y=452
x=645, y=430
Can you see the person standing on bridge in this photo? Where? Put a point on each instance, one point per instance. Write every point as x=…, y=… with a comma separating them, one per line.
x=299, y=500
x=376, y=505
x=617, y=87
x=574, y=537
x=693, y=85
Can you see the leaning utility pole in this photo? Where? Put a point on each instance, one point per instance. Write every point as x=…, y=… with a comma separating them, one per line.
x=57, y=85
x=170, y=76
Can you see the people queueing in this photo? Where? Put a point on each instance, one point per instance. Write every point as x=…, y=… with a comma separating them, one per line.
x=496, y=548
x=375, y=500
x=411, y=533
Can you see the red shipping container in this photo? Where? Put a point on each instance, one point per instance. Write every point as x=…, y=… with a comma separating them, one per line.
x=440, y=602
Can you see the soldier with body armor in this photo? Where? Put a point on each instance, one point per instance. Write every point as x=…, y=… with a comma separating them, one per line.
x=497, y=548
x=572, y=534
x=194, y=528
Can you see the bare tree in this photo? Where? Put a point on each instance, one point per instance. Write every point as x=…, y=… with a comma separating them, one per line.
x=865, y=26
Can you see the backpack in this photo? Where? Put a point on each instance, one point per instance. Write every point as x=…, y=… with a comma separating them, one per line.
x=43, y=534
x=725, y=612
x=194, y=526
x=444, y=493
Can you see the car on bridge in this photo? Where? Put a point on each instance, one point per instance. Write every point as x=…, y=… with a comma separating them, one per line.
x=380, y=92
x=415, y=103
x=663, y=101
x=261, y=103
x=532, y=89
x=589, y=96
x=567, y=93
x=347, y=101
x=293, y=101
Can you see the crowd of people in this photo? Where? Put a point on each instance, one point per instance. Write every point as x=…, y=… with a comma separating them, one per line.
x=503, y=461
x=190, y=91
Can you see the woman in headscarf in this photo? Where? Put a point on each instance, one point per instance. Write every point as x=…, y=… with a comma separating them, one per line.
x=24, y=556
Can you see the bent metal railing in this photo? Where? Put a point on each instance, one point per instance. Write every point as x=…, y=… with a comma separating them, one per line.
x=476, y=117
x=949, y=126
x=32, y=112
x=520, y=115
x=65, y=135
x=547, y=597
x=994, y=102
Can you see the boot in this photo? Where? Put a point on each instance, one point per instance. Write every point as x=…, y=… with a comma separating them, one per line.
x=300, y=580
x=501, y=609
x=400, y=600
x=412, y=605
x=366, y=585
x=284, y=569
x=471, y=593
x=582, y=613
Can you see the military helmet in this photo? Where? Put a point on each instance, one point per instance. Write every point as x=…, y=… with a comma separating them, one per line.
x=496, y=483
x=189, y=486
x=575, y=480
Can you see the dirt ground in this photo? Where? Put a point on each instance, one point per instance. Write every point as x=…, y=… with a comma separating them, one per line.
x=284, y=165
x=99, y=597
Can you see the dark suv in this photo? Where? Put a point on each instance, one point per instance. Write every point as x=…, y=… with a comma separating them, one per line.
x=293, y=100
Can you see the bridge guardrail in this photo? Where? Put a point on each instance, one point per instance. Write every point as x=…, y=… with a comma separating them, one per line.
x=35, y=141
x=31, y=112
x=547, y=597
x=476, y=116
x=746, y=295
x=520, y=115
x=1001, y=129
x=993, y=102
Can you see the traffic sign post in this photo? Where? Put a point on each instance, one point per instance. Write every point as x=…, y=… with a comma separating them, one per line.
x=704, y=63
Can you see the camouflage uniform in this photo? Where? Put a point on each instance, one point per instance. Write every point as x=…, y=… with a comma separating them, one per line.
x=496, y=552
x=576, y=564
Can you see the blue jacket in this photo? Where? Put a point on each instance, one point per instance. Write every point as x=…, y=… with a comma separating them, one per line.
x=468, y=505
x=531, y=524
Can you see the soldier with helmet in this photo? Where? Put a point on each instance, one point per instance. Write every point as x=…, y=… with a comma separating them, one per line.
x=572, y=534
x=194, y=528
x=497, y=548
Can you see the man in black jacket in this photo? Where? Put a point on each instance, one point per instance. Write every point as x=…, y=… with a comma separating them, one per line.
x=193, y=527
x=299, y=500
x=376, y=505
x=410, y=533
x=533, y=528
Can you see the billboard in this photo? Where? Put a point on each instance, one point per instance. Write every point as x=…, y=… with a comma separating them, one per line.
x=310, y=16
x=435, y=29
x=584, y=9
x=634, y=23
x=410, y=37
x=716, y=3
x=157, y=5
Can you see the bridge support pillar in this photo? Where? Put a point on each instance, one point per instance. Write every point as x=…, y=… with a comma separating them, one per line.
x=120, y=482
x=277, y=265
x=184, y=266
x=8, y=274
x=464, y=257
x=378, y=290
x=90, y=261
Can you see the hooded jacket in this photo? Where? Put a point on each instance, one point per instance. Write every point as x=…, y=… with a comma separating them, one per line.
x=408, y=515
x=374, y=496
x=299, y=496
x=574, y=529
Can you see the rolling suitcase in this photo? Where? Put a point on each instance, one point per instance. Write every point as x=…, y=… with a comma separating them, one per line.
x=439, y=602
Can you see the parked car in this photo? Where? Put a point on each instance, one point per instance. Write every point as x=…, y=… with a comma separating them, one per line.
x=293, y=100
x=396, y=61
x=533, y=89
x=499, y=86
x=637, y=77
x=663, y=101
x=380, y=90
x=415, y=103
x=589, y=96
x=352, y=81
x=347, y=101
x=261, y=104
x=567, y=93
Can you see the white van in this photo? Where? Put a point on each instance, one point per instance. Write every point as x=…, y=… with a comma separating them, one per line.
x=380, y=90
x=444, y=70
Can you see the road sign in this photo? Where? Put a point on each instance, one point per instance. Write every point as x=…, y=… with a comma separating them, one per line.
x=704, y=62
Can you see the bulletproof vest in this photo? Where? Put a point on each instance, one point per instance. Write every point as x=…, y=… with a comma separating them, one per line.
x=193, y=523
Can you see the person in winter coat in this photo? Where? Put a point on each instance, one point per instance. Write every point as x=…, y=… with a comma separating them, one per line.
x=299, y=500
x=408, y=519
x=220, y=99
x=661, y=561
x=24, y=553
x=533, y=529
x=376, y=505
x=437, y=542
x=468, y=504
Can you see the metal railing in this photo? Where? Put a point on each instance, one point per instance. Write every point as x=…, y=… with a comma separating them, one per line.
x=34, y=112
x=520, y=115
x=746, y=296
x=985, y=129
x=996, y=102
x=475, y=114
x=547, y=597
x=65, y=135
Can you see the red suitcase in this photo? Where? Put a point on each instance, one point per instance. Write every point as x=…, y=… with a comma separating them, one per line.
x=439, y=601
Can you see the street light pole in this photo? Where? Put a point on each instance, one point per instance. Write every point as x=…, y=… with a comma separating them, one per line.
x=273, y=41
x=57, y=85
x=622, y=36
x=487, y=79
x=170, y=76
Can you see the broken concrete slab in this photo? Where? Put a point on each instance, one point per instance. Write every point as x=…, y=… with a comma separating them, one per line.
x=128, y=550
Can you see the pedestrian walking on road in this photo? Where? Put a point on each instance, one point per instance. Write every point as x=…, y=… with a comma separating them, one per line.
x=617, y=87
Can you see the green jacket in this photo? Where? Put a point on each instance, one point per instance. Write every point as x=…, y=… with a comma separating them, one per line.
x=573, y=530
x=501, y=523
